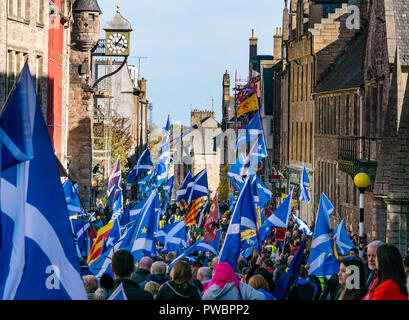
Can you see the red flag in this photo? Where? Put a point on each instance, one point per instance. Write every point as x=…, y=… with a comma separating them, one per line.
x=211, y=223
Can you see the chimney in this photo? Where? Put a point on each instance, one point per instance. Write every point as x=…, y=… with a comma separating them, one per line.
x=252, y=51
x=278, y=40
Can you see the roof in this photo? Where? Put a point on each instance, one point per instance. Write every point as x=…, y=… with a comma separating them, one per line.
x=347, y=72
x=118, y=22
x=401, y=10
x=86, y=5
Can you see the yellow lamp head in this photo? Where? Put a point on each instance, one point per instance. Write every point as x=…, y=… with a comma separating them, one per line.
x=362, y=180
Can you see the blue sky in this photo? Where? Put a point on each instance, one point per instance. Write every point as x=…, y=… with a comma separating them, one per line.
x=190, y=44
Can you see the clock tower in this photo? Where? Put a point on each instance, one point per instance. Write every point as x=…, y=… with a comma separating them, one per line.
x=117, y=35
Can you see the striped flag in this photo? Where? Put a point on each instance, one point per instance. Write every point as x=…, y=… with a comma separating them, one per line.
x=191, y=218
x=97, y=245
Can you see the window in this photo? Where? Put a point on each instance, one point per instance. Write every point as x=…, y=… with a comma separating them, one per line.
x=40, y=11
x=91, y=16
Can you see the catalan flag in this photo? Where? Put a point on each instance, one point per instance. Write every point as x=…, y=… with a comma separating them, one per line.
x=194, y=210
x=247, y=98
x=97, y=245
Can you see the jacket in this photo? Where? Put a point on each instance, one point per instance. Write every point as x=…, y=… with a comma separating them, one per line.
x=159, y=278
x=388, y=290
x=230, y=292
x=172, y=291
x=140, y=275
x=132, y=290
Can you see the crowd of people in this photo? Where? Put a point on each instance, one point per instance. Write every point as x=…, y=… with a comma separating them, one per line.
x=382, y=273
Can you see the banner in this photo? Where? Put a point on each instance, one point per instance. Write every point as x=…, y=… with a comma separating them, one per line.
x=280, y=234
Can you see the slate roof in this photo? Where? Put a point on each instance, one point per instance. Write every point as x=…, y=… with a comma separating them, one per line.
x=401, y=10
x=86, y=5
x=347, y=72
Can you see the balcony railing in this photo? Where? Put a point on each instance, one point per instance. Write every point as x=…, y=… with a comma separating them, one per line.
x=353, y=149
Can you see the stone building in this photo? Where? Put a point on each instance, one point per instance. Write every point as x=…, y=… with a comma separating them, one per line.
x=315, y=33
x=84, y=37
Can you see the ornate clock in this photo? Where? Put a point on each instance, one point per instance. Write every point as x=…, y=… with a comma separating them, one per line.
x=117, y=44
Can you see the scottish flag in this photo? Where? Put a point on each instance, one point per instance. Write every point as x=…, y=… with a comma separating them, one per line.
x=38, y=259
x=172, y=236
x=201, y=245
x=136, y=209
x=72, y=199
x=80, y=233
x=342, y=243
x=114, y=183
x=143, y=165
x=161, y=174
x=168, y=187
x=239, y=170
x=257, y=153
x=251, y=131
x=263, y=193
x=183, y=194
x=322, y=260
x=302, y=226
x=199, y=186
x=305, y=182
x=289, y=277
x=279, y=218
x=232, y=202
x=118, y=294
x=243, y=218
x=145, y=183
x=118, y=207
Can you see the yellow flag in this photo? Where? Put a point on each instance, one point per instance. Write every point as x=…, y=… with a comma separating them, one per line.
x=293, y=202
x=248, y=105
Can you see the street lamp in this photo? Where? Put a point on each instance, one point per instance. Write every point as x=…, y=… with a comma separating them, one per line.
x=361, y=180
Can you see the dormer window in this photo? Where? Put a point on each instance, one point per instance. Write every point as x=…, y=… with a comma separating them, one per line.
x=91, y=16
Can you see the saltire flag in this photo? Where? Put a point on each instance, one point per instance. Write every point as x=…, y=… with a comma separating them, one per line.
x=160, y=174
x=199, y=186
x=305, y=182
x=263, y=193
x=247, y=98
x=145, y=183
x=143, y=165
x=137, y=208
x=202, y=214
x=342, y=243
x=322, y=259
x=38, y=259
x=232, y=201
x=239, y=170
x=168, y=188
x=72, y=199
x=201, y=245
x=97, y=244
x=173, y=237
x=142, y=243
x=114, y=183
x=183, y=194
x=302, y=226
x=126, y=218
x=118, y=294
x=278, y=219
x=289, y=277
x=191, y=218
x=117, y=207
x=251, y=131
x=80, y=234
x=113, y=236
x=243, y=218
x=211, y=223
x=257, y=153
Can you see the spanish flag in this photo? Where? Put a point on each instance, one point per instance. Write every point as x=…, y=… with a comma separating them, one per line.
x=194, y=210
x=95, y=251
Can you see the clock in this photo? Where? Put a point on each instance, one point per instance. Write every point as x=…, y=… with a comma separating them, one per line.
x=117, y=44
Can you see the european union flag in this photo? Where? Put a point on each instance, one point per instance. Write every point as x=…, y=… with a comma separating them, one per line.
x=38, y=256
x=289, y=277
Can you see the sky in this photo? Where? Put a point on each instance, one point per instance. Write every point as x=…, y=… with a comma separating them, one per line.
x=189, y=44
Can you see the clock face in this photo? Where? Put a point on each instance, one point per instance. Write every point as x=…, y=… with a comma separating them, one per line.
x=117, y=43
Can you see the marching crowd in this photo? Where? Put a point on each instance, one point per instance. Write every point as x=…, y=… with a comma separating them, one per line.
x=382, y=273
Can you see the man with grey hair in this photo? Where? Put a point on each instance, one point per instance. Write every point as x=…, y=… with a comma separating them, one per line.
x=371, y=257
x=158, y=273
x=91, y=285
x=143, y=270
x=204, y=275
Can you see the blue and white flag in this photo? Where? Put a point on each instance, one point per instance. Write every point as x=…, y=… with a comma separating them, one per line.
x=72, y=199
x=126, y=218
x=302, y=226
x=244, y=217
x=342, y=241
x=239, y=170
x=232, y=202
x=136, y=209
x=263, y=193
x=322, y=259
x=38, y=259
x=161, y=174
x=305, y=182
x=183, y=194
x=114, y=183
x=113, y=236
x=172, y=236
x=143, y=165
x=117, y=207
x=251, y=131
x=168, y=188
x=80, y=233
x=257, y=153
x=145, y=184
x=201, y=245
x=199, y=186
x=278, y=219
x=118, y=294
